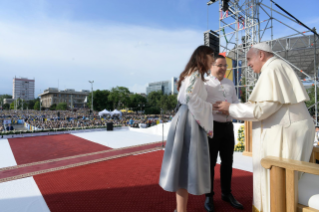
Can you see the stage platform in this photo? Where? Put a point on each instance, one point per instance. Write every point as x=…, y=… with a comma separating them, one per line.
x=98, y=171
x=121, y=138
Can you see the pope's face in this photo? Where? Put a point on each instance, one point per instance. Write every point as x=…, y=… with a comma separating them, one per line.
x=254, y=61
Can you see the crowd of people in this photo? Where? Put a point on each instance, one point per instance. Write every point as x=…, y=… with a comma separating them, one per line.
x=6, y=128
x=71, y=119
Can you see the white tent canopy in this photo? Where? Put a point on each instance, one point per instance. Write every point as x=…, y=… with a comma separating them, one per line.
x=104, y=112
x=116, y=112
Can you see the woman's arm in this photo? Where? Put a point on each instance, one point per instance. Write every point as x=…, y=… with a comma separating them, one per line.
x=201, y=110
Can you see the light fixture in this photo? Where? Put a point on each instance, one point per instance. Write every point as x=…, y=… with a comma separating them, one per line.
x=225, y=5
x=211, y=2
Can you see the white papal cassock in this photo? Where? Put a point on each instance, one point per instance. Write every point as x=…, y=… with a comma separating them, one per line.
x=282, y=125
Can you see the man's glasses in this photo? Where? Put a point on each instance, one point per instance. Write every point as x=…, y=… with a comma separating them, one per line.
x=220, y=66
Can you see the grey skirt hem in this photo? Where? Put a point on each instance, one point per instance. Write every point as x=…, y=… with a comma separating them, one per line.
x=191, y=192
x=186, y=161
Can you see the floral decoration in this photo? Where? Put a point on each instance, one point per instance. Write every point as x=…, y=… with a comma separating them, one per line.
x=240, y=147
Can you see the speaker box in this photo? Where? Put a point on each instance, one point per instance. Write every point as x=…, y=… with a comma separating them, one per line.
x=109, y=126
x=211, y=39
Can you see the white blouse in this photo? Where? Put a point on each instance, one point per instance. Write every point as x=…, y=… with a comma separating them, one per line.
x=193, y=93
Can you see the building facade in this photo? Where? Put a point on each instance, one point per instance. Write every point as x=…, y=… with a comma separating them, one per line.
x=167, y=87
x=74, y=99
x=7, y=101
x=23, y=88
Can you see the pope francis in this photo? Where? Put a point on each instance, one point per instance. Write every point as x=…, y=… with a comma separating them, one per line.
x=282, y=125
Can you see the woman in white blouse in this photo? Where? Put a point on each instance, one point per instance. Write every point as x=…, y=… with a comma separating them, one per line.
x=186, y=163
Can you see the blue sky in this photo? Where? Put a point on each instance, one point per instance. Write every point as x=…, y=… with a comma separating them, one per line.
x=114, y=43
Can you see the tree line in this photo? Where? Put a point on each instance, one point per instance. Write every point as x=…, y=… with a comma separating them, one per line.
x=19, y=103
x=116, y=98
x=121, y=98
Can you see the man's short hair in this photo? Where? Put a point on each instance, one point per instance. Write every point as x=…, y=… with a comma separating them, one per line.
x=219, y=57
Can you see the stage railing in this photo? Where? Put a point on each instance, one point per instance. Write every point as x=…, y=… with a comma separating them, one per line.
x=22, y=133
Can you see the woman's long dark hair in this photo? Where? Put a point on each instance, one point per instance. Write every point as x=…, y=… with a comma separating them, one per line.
x=198, y=61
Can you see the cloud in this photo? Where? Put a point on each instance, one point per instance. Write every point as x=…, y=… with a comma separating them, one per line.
x=312, y=21
x=110, y=54
x=141, y=44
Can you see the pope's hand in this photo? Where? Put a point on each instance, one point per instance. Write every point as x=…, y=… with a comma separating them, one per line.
x=223, y=107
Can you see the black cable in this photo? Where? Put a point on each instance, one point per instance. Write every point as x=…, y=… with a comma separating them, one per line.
x=314, y=32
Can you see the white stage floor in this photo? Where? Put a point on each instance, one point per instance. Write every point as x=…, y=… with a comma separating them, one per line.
x=120, y=138
x=6, y=154
x=22, y=195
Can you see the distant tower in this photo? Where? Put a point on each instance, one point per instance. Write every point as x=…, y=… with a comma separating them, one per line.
x=174, y=85
x=23, y=88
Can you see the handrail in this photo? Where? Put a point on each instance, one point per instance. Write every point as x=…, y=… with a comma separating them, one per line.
x=284, y=181
x=295, y=165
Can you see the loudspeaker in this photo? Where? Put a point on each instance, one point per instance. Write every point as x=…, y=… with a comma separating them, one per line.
x=211, y=39
x=109, y=126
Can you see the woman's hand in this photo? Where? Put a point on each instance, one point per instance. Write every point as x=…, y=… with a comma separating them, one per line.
x=215, y=106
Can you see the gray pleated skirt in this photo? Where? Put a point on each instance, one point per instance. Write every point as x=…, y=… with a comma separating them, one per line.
x=186, y=162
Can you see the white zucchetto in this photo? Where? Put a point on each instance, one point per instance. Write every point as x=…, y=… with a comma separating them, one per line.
x=262, y=46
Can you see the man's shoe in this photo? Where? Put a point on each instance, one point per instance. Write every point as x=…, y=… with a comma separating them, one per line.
x=230, y=198
x=209, y=204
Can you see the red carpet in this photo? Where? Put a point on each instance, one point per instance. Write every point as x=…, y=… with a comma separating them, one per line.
x=34, y=149
x=31, y=169
x=128, y=184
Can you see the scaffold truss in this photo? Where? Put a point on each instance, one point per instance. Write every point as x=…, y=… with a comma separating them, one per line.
x=248, y=22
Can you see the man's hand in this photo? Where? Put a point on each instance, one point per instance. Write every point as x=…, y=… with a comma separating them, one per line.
x=223, y=107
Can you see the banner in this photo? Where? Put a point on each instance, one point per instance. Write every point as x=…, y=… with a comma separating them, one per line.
x=231, y=73
x=7, y=121
x=27, y=126
x=21, y=121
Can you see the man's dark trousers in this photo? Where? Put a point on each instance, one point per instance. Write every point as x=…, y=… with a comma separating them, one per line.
x=222, y=142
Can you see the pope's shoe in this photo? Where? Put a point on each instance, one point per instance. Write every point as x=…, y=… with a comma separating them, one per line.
x=209, y=204
x=233, y=202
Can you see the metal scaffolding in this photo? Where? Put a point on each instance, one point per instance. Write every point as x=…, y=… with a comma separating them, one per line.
x=247, y=22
